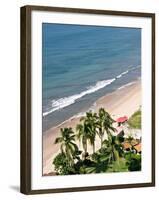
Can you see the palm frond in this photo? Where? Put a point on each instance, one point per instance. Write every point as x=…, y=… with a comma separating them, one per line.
x=58, y=140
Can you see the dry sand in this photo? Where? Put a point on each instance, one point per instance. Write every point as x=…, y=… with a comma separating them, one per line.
x=124, y=101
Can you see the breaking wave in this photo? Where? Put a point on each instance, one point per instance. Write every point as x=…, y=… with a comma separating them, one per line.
x=66, y=101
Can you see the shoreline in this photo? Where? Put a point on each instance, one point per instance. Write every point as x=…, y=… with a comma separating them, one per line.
x=115, y=103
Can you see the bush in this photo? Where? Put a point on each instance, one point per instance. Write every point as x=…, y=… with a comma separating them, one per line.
x=135, y=120
x=62, y=165
x=133, y=161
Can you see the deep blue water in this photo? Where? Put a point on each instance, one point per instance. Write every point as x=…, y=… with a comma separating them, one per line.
x=83, y=63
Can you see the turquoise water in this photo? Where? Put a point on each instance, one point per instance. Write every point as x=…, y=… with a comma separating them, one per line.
x=83, y=63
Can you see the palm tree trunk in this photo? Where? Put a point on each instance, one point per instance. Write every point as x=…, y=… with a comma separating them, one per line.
x=93, y=147
x=69, y=157
x=101, y=140
x=85, y=150
x=85, y=146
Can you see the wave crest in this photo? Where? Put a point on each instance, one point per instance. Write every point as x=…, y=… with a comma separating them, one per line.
x=66, y=101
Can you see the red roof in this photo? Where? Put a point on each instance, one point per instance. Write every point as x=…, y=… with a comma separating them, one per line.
x=138, y=147
x=122, y=119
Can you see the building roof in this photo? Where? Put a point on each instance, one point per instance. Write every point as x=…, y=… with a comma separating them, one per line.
x=127, y=145
x=138, y=147
x=122, y=119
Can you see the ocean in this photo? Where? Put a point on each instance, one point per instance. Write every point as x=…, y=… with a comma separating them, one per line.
x=82, y=63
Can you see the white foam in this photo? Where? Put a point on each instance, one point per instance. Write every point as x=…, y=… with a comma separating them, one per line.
x=123, y=73
x=66, y=101
x=130, y=69
x=126, y=85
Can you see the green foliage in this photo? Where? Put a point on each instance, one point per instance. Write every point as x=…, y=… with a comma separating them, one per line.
x=104, y=124
x=114, y=147
x=62, y=165
x=118, y=166
x=68, y=147
x=87, y=130
x=111, y=157
x=133, y=161
x=99, y=162
x=135, y=120
x=82, y=165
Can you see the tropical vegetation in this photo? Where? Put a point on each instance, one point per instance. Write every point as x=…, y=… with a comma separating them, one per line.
x=135, y=120
x=112, y=156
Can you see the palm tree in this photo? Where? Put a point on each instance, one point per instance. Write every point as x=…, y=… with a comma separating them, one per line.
x=86, y=131
x=114, y=148
x=100, y=124
x=104, y=124
x=90, y=123
x=82, y=136
x=68, y=147
x=109, y=158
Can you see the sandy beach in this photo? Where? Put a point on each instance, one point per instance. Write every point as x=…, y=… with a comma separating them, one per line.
x=124, y=101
